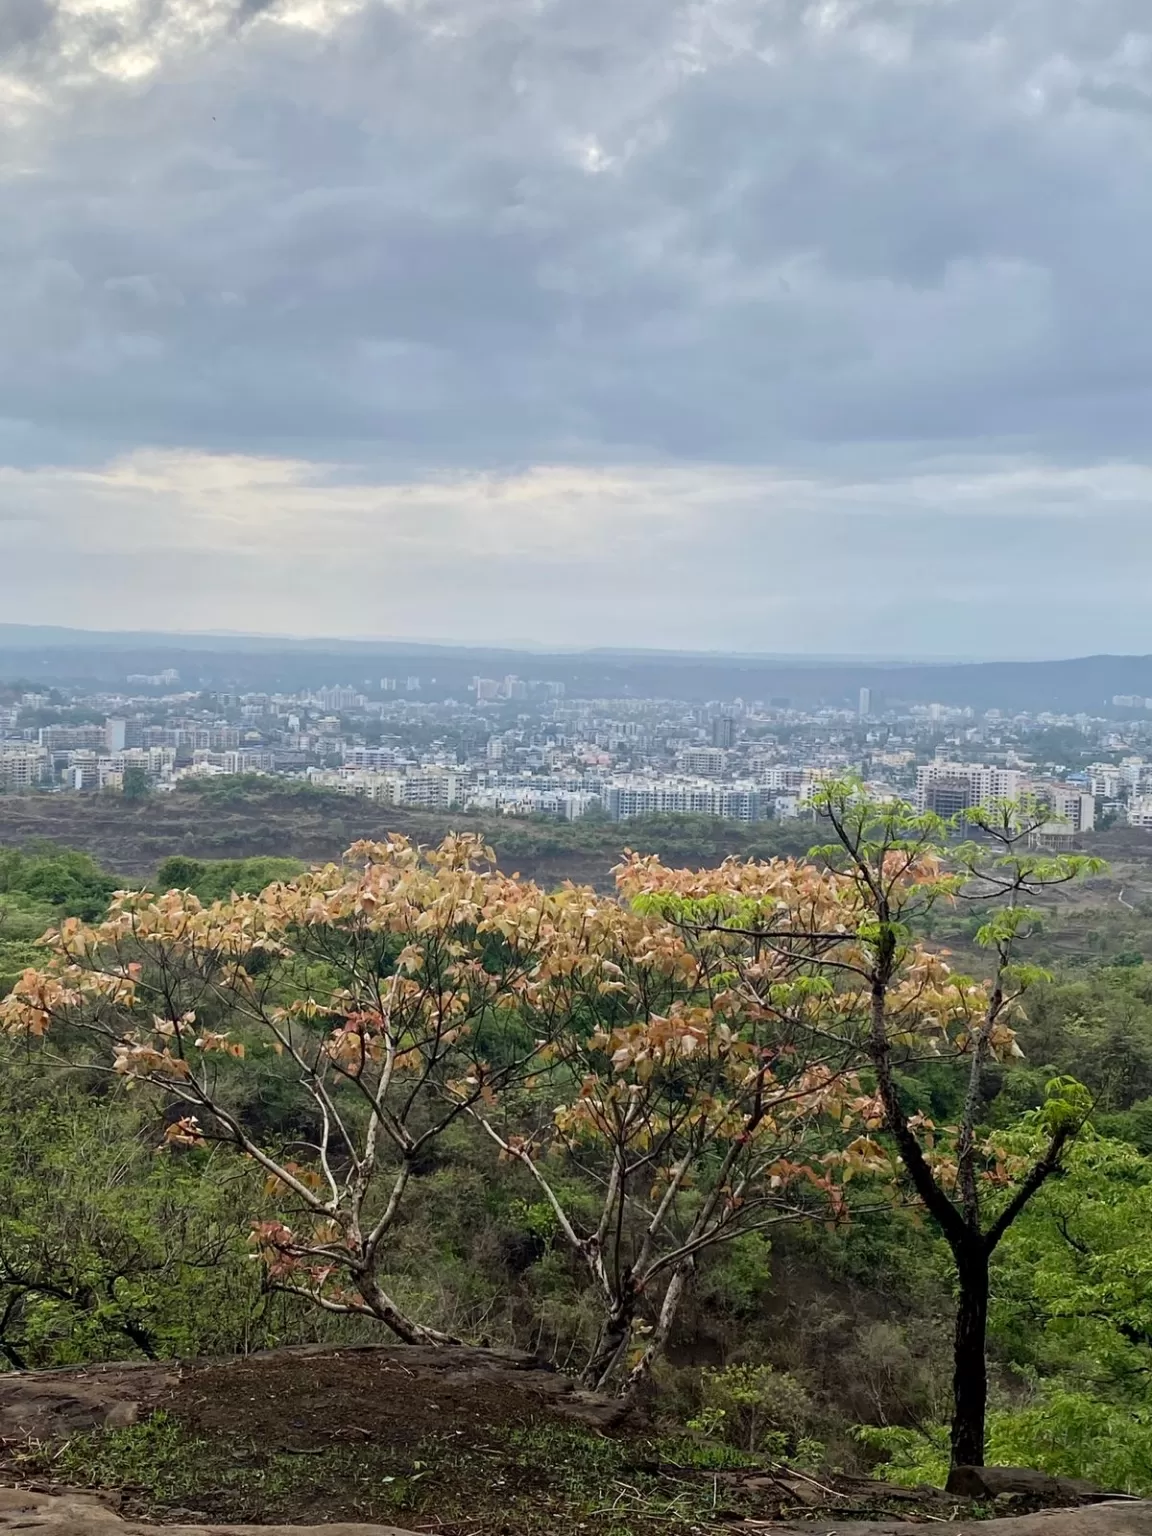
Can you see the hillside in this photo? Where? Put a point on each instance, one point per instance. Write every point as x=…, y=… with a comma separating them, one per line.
x=269, y=820
x=811, y=1327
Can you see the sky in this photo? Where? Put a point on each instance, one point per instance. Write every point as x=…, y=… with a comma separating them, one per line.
x=754, y=325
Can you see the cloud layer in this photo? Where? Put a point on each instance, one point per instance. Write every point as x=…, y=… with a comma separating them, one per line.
x=633, y=321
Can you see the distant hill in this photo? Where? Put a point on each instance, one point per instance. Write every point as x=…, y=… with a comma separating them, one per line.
x=46, y=655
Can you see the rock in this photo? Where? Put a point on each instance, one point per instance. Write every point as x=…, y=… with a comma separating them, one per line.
x=51, y=1405
x=71, y=1514
x=1021, y=1482
x=1124, y=1517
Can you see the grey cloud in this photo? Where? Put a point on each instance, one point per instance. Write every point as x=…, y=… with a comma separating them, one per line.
x=904, y=221
x=828, y=234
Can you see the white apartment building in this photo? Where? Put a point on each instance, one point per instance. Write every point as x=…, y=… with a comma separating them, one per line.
x=249, y=760
x=1071, y=808
x=1073, y=811
x=374, y=758
x=23, y=767
x=709, y=761
x=629, y=797
x=982, y=784
x=339, y=698
x=565, y=804
x=157, y=763
x=782, y=781
x=1105, y=780
x=433, y=788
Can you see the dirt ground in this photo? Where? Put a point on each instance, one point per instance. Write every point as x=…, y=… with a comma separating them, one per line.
x=457, y=1442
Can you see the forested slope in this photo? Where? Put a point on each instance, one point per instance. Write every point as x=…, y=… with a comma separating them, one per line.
x=823, y=1341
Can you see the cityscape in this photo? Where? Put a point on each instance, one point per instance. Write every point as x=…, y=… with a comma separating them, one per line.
x=524, y=746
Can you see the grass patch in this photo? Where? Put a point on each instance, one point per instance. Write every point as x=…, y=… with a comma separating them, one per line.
x=516, y=1481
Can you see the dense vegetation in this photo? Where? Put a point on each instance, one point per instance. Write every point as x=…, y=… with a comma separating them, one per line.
x=126, y=1230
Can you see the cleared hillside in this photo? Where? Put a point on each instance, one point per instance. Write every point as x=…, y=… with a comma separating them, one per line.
x=254, y=820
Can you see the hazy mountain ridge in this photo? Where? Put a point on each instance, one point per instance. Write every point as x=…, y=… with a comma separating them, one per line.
x=60, y=655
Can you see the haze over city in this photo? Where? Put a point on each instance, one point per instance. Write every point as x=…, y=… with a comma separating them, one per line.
x=735, y=326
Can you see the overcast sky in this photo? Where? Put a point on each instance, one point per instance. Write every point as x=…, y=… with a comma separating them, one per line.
x=778, y=325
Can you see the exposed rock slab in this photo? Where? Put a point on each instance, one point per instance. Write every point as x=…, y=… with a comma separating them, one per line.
x=1122, y=1517
x=80, y=1515
x=73, y=1514
x=1022, y=1483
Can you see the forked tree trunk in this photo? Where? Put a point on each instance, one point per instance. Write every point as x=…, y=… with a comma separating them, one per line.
x=669, y=1307
x=970, y=1363
x=611, y=1342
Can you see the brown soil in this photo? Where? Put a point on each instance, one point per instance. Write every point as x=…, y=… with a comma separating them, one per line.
x=460, y=1442
x=296, y=1400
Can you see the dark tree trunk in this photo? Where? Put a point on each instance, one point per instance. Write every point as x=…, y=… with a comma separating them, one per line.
x=970, y=1373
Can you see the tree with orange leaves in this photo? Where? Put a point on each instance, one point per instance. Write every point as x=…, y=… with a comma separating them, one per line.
x=406, y=989
x=829, y=947
x=384, y=984
x=695, y=1116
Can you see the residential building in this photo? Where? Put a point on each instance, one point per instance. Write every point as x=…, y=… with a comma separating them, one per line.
x=709, y=761
x=23, y=768
x=984, y=785
x=723, y=732
x=629, y=797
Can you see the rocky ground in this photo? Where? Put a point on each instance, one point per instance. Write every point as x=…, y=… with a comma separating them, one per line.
x=453, y=1442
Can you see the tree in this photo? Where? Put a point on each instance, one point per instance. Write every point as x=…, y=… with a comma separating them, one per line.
x=695, y=1117
x=1075, y=1286
x=860, y=981
x=387, y=988
x=136, y=784
x=103, y=1245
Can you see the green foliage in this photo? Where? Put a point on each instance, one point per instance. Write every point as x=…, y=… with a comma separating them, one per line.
x=758, y=1408
x=739, y=1278
x=1066, y=1433
x=108, y=1249
x=1097, y=1026
x=1074, y=1434
x=241, y=788
x=137, y=784
x=69, y=882
x=40, y=885
x=1074, y=1283
x=1066, y=1107
x=218, y=879
x=910, y=1456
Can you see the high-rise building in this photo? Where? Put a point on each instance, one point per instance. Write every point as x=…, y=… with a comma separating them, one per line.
x=723, y=731
x=985, y=784
x=864, y=705
x=948, y=796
